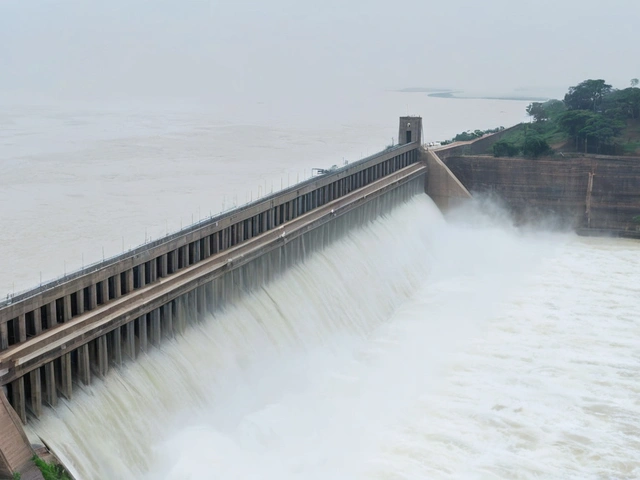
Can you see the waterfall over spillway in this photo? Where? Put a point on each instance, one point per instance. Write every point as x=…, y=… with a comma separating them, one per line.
x=410, y=347
x=261, y=348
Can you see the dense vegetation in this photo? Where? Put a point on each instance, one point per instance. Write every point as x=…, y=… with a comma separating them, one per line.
x=592, y=118
x=469, y=135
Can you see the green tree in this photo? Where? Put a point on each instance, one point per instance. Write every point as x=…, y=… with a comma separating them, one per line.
x=537, y=111
x=623, y=104
x=600, y=130
x=587, y=95
x=634, y=82
x=464, y=137
x=572, y=121
x=553, y=108
x=503, y=148
x=535, y=145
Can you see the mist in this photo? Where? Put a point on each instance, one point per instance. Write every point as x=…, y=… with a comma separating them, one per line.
x=307, y=53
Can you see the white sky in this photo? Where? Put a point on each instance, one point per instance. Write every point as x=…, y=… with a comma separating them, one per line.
x=200, y=48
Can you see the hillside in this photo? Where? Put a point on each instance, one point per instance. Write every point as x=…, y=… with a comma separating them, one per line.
x=626, y=142
x=592, y=118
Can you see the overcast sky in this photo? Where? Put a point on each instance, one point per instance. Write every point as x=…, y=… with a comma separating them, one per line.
x=277, y=47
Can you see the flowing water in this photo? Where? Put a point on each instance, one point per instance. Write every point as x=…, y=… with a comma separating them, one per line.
x=415, y=347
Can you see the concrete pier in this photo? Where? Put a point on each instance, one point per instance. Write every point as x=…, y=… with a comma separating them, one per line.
x=66, y=316
x=130, y=340
x=155, y=333
x=200, y=302
x=66, y=381
x=163, y=271
x=4, y=336
x=90, y=293
x=52, y=315
x=102, y=355
x=166, y=320
x=104, y=292
x=115, y=346
x=117, y=286
x=37, y=321
x=79, y=303
x=36, y=392
x=22, y=328
x=84, y=364
x=51, y=394
x=18, y=400
x=141, y=324
x=128, y=284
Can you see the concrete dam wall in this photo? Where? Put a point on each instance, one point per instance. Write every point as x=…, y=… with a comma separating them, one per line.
x=591, y=194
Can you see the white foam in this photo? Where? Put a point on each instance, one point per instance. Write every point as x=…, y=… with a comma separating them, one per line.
x=414, y=348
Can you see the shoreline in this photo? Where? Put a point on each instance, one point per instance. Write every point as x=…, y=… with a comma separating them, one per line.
x=459, y=95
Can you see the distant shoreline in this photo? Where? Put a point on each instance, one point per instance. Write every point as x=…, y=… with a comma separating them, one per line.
x=448, y=93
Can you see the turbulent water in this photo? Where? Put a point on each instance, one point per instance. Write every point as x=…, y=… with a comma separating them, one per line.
x=413, y=348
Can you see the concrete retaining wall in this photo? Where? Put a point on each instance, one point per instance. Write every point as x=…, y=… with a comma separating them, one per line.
x=593, y=193
x=442, y=186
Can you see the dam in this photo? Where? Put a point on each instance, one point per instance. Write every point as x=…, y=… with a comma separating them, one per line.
x=291, y=360
x=69, y=331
